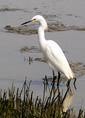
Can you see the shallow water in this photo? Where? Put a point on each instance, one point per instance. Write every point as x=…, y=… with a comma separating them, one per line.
x=14, y=65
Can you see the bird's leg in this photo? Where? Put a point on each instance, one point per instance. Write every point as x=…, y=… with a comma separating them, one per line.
x=68, y=83
x=54, y=78
x=74, y=83
x=53, y=73
x=58, y=79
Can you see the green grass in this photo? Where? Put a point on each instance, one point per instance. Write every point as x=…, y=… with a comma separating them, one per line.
x=21, y=103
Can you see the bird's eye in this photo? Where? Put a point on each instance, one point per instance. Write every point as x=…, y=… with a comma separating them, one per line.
x=34, y=19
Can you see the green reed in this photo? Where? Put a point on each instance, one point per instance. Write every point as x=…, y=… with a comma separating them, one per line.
x=20, y=103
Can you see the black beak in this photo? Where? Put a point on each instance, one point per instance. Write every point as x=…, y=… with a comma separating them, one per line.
x=26, y=22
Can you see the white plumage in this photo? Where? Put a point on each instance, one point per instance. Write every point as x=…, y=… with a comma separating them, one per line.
x=51, y=50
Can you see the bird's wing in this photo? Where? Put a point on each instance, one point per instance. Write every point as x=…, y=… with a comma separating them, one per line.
x=56, y=56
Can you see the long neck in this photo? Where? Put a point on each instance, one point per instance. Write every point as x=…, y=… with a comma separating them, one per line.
x=42, y=39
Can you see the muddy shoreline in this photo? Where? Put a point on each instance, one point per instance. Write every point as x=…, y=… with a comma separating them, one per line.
x=32, y=29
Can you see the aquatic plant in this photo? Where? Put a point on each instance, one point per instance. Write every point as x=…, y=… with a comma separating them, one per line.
x=21, y=103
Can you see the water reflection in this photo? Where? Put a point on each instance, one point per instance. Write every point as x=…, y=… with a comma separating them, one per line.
x=62, y=95
x=68, y=100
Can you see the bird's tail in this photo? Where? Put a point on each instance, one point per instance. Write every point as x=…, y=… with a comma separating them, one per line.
x=69, y=73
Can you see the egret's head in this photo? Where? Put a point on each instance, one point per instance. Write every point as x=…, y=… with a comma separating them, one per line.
x=40, y=19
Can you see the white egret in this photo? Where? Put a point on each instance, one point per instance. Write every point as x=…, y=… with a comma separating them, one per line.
x=52, y=52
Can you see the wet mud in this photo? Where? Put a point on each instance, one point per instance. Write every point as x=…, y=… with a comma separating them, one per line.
x=32, y=28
